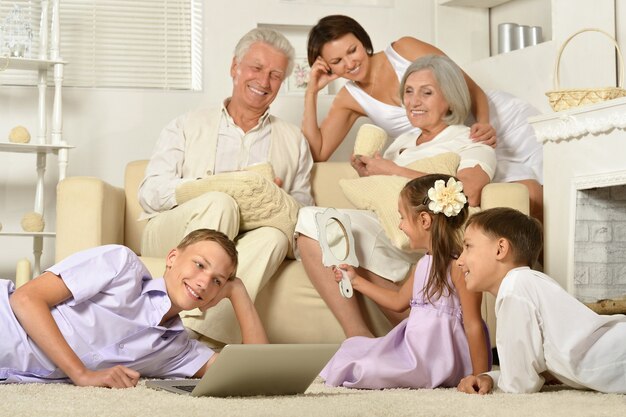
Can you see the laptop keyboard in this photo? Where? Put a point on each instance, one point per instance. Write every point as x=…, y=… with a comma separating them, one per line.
x=187, y=388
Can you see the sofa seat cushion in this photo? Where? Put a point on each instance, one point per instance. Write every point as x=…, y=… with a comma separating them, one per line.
x=292, y=310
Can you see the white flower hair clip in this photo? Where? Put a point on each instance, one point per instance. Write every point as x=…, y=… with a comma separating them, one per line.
x=447, y=198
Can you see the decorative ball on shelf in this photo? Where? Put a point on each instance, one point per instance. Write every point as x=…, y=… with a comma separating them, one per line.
x=33, y=222
x=19, y=134
x=0, y=227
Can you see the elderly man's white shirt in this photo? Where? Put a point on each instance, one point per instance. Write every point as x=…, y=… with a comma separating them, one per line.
x=234, y=151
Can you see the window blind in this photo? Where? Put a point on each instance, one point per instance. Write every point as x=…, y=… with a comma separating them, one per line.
x=128, y=43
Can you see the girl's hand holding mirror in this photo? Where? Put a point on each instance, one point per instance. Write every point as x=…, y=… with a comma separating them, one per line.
x=337, y=244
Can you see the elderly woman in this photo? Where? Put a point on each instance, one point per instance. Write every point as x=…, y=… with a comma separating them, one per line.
x=437, y=101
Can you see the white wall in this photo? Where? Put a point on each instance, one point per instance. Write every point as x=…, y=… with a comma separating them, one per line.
x=111, y=127
x=588, y=60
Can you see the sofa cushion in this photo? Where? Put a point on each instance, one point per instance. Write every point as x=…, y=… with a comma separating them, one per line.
x=261, y=202
x=325, y=184
x=379, y=193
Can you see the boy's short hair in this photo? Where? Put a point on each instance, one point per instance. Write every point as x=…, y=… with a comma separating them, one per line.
x=201, y=235
x=524, y=233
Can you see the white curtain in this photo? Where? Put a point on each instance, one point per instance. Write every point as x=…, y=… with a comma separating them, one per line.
x=125, y=43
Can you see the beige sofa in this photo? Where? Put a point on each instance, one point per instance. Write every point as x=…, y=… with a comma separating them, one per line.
x=91, y=212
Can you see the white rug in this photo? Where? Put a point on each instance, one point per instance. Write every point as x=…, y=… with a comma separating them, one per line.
x=67, y=400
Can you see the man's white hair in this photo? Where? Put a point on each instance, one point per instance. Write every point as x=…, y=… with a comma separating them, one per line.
x=270, y=37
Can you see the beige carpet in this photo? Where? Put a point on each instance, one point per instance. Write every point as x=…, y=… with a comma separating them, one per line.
x=67, y=400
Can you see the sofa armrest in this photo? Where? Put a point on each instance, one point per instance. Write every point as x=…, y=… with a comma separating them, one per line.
x=89, y=213
x=505, y=194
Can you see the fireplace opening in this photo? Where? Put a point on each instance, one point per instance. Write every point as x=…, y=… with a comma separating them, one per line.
x=600, y=246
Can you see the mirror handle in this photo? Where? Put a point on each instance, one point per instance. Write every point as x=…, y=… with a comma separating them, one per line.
x=345, y=286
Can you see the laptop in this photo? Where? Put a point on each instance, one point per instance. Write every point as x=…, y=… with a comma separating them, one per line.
x=247, y=370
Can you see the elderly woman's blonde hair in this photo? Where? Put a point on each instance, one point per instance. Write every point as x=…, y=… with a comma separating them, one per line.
x=270, y=37
x=451, y=82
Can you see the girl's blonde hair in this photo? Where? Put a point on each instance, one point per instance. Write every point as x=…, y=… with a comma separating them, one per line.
x=445, y=233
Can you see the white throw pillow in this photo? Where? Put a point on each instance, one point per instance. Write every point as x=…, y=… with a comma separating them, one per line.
x=379, y=193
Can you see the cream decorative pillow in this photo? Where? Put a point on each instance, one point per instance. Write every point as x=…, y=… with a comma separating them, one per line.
x=369, y=140
x=379, y=193
x=261, y=202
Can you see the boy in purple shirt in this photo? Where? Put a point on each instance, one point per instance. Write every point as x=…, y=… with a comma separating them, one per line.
x=98, y=318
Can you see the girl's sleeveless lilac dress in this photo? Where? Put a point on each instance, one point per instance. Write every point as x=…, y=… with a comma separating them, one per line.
x=428, y=349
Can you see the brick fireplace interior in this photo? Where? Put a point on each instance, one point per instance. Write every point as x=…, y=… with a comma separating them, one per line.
x=600, y=244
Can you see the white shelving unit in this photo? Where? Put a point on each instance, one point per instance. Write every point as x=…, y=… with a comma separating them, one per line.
x=46, y=141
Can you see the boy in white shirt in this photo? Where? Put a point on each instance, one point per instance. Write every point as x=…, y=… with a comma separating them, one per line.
x=543, y=334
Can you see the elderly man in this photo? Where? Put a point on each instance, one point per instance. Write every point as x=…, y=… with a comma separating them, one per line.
x=241, y=133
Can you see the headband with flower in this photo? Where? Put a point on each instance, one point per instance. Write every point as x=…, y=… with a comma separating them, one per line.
x=446, y=198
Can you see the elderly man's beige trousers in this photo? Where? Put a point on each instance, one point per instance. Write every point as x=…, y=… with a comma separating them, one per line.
x=261, y=251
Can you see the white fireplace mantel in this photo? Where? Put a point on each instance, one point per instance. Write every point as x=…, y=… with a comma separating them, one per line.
x=597, y=119
x=584, y=148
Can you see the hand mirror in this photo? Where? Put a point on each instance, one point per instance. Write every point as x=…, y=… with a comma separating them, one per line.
x=337, y=244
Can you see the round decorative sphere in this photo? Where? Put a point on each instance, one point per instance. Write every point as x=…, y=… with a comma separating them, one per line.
x=0, y=227
x=33, y=222
x=19, y=134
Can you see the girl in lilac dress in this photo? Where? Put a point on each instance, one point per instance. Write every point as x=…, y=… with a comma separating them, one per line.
x=444, y=338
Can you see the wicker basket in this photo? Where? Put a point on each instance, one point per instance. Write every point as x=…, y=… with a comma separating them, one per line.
x=565, y=99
